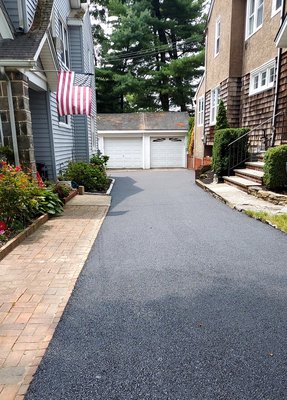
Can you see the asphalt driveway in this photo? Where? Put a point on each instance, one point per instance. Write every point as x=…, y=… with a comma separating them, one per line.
x=181, y=298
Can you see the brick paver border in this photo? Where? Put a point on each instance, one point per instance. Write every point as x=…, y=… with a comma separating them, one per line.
x=36, y=281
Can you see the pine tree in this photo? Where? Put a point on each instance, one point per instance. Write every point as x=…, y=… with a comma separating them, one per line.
x=154, y=54
x=221, y=119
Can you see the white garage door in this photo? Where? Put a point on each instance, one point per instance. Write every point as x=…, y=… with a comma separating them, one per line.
x=124, y=153
x=167, y=152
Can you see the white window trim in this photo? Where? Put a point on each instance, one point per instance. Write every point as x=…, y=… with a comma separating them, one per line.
x=256, y=29
x=274, y=11
x=258, y=72
x=63, y=32
x=64, y=125
x=217, y=98
x=200, y=112
x=217, y=36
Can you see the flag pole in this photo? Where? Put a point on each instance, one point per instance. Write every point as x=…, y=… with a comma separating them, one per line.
x=56, y=70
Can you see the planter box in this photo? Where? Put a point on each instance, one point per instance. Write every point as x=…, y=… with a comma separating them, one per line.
x=11, y=244
x=72, y=194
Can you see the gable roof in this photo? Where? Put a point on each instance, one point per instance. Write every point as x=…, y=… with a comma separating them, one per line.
x=155, y=121
x=25, y=46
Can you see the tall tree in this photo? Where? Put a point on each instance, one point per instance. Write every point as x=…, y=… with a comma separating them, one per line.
x=153, y=55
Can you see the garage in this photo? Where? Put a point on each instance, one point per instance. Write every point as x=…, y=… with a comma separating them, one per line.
x=167, y=152
x=124, y=152
x=143, y=140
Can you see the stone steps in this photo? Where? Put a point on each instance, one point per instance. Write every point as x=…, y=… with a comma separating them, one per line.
x=250, y=174
x=239, y=182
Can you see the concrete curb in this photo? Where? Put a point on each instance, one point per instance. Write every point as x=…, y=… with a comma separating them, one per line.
x=111, y=186
x=216, y=195
x=237, y=207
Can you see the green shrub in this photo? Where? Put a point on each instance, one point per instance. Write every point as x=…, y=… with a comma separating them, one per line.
x=91, y=176
x=275, y=174
x=61, y=189
x=22, y=199
x=220, y=151
x=49, y=202
x=221, y=119
x=99, y=161
x=17, y=195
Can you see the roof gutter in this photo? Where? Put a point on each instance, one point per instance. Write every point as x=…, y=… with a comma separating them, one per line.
x=17, y=63
x=12, y=116
x=279, y=58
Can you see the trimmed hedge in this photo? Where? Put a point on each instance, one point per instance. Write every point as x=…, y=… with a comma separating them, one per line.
x=220, y=154
x=275, y=174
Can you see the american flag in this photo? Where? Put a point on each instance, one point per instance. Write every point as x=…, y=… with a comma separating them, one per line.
x=74, y=93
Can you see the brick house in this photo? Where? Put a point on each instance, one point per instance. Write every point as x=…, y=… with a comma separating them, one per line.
x=246, y=67
x=37, y=38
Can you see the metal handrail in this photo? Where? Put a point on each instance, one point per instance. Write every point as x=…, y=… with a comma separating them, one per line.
x=256, y=128
x=244, y=155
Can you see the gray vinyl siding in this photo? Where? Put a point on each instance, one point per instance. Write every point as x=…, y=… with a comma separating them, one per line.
x=88, y=51
x=76, y=48
x=12, y=9
x=41, y=125
x=77, y=65
x=63, y=137
x=28, y=10
x=31, y=6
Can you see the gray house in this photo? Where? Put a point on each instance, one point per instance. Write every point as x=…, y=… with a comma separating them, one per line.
x=37, y=38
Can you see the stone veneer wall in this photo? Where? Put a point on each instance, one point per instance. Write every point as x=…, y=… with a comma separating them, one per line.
x=23, y=119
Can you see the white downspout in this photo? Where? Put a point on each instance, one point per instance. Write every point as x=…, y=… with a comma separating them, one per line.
x=12, y=118
x=23, y=19
x=279, y=57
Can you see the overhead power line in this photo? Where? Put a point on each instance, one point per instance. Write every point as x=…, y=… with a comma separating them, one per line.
x=147, y=52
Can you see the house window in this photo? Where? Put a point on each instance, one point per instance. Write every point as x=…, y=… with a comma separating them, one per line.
x=254, y=16
x=214, y=101
x=64, y=44
x=217, y=37
x=64, y=120
x=262, y=78
x=200, y=111
x=276, y=6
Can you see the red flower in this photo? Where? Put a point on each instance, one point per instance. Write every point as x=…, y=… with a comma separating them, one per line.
x=3, y=226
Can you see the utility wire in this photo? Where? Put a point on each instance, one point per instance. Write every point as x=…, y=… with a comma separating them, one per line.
x=147, y=52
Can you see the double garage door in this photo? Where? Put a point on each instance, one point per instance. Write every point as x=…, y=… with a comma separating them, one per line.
x=165, y=152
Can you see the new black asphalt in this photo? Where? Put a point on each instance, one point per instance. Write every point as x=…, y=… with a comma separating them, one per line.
x=181, y=298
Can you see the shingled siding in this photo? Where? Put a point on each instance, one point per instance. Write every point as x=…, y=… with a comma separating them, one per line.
x=255, y=110
x=281, y=120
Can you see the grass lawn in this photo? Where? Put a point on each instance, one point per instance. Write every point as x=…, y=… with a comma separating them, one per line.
x=279, y=220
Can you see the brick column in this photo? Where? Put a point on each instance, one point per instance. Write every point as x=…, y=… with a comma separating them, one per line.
x=23, y=119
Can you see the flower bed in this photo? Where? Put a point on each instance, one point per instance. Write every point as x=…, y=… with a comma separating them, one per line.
x=23, y=198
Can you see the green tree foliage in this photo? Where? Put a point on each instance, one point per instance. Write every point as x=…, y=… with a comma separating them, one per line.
x=220, y=153
x=221, y=119
x=152, y=57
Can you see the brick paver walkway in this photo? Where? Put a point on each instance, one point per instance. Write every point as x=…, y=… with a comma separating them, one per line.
x=36, y=281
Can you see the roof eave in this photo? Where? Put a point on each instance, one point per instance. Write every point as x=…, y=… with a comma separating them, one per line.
x=281, y=37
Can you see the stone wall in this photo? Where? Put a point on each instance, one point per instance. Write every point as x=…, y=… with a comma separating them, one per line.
x=23, y=122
